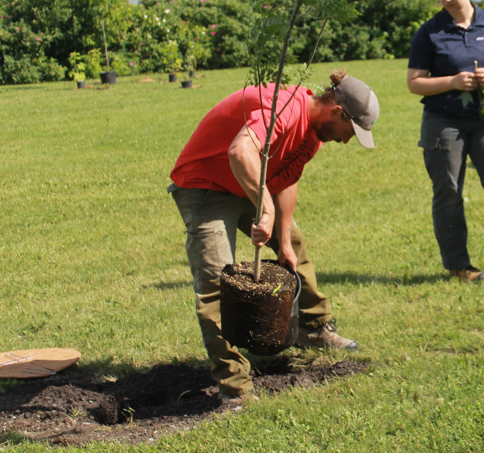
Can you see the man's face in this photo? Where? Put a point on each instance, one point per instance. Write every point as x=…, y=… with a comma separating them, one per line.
x=335, y=128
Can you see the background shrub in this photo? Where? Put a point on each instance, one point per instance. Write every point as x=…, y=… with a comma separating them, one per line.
x=37, y=36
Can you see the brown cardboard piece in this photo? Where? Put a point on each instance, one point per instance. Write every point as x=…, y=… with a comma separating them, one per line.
x=35, y=363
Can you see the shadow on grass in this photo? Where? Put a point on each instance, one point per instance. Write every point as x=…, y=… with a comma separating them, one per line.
x=342, y=278
x=168, y=285
x=362, y=279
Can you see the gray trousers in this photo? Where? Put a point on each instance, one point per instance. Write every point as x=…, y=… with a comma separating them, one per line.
x=447, y=142
x=212, y=219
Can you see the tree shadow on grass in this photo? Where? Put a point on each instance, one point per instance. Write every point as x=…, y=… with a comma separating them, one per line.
x=167, y=285
x=367, y=279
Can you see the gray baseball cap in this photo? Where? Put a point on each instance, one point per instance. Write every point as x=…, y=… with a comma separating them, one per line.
x=360, y=103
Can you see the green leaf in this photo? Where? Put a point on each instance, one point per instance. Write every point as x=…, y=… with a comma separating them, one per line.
x=466, y=98
x=276, y=290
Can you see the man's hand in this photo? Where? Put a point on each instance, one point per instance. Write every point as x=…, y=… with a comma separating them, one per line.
x=287, y=257
x=262, y=232
x=285, y=202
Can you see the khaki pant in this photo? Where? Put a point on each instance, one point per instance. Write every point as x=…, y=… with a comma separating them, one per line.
x=212, y=219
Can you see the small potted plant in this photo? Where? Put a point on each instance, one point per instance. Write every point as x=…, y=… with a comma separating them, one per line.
x=187, y=83
x=191, y=60
x=106, y=76
x=172, y=60
x=78, y=68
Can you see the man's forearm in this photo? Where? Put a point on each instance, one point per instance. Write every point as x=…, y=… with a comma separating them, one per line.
x=284, y=203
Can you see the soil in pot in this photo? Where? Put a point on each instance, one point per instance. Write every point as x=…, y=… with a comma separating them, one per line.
x=256, y=315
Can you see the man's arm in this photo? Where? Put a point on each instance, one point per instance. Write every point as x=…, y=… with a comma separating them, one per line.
x=284, y=203
x=245, y=162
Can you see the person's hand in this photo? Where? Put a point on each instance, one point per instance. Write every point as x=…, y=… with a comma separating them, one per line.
x=287, y=256
x=465, y=81
x=262, y=232
x=480, y=76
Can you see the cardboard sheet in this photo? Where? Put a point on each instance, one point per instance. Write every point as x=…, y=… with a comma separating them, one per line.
x=35, y=363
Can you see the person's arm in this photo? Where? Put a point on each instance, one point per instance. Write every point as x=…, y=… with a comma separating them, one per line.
x=245, y=162
x=420, y=83
x=284, y=203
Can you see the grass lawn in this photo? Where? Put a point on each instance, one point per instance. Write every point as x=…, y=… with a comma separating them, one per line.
x=92, y=257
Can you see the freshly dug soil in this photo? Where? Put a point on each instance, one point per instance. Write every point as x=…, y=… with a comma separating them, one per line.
x=256, y=315
x=71, y=409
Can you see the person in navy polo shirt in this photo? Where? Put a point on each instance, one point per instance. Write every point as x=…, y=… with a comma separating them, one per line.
x=442, y=67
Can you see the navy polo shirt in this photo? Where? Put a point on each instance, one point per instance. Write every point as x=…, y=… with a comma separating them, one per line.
x=446, y=49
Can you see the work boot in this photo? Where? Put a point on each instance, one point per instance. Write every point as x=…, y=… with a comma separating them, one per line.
x=324, y=337
x=468, y=274
x=238, y=400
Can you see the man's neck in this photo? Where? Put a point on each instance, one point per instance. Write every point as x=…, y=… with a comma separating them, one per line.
x=317, y=109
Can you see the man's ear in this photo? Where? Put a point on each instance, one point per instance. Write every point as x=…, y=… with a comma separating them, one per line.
x=336, y=110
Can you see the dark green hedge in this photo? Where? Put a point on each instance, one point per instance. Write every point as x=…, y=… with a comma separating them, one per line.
x=37, y=36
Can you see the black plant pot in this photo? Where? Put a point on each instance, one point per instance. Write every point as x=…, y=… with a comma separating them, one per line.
x=186, y=84
x=108, y=77
x=81, y=84
x=192, y=74
x=172, y=78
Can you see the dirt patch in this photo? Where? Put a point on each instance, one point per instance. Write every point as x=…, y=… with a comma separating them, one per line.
x=71, y=409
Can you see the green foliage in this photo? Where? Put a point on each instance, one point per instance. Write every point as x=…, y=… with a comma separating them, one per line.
x=171, y=57
x=37, y=36
x=50, y=69
x=274, y=35
x=395, y=21
x=78, y=67
x=121, y=65
x=93, y=63
x=30, y=37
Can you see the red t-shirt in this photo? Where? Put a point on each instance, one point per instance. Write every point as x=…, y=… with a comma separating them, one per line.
x=204, y=162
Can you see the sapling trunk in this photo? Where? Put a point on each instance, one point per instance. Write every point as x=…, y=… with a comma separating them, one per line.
x=105, y=44
x=270, y=131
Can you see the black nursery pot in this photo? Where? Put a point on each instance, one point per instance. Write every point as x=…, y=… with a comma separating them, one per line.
x=108, y=77
x=192, y=73
x=172, y=78
x=186, y=84
x=81, y=84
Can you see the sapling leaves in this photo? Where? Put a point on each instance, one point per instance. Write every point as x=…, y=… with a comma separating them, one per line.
x=269, y=43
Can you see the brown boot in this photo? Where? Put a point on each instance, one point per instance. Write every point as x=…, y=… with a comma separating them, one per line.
x=324, y=337
x=238, y=400
x=469, y=274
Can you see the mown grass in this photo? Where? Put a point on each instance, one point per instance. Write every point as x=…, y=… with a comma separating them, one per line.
x=93, y=258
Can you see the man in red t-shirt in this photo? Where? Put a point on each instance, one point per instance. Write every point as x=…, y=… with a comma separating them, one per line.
x=216, y=184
